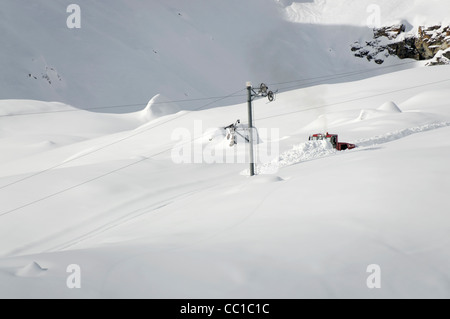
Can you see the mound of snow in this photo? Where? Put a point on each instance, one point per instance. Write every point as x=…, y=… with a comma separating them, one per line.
x=299, y=153
x=390, y=107
x=261, y=179
x=383, y=110
x=31, y=270
x=367, y=114
x=306, y=151
x=158, y=106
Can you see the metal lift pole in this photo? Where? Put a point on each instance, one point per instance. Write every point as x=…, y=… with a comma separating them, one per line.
x=250, y=128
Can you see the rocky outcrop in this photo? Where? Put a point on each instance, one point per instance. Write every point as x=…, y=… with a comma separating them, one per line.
x=393, y=40
x=441, y=58
x=432, y=40
x=389, y=32
x=405, y=49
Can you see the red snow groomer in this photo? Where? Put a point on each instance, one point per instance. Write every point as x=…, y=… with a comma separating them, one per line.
x=333, y=139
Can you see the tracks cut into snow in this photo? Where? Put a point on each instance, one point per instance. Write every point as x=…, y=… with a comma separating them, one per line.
x=312, y=150
x=389, y=137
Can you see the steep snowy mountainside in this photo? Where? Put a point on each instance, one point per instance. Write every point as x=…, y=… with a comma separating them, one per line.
x=360, y=12
x=126, y=52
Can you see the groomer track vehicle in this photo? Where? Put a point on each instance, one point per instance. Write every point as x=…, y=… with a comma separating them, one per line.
x=333, y=139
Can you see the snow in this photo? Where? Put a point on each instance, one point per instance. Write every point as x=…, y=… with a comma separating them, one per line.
x=31, y=270
x=126, y=52
x=390, y=107
x=114, y=194
x=365, y=12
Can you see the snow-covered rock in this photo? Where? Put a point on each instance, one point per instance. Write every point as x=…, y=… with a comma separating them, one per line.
x=393, y=40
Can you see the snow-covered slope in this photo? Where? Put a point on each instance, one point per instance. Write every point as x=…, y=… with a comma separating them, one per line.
x=140, y=225
x=363, y=12
x=144, y=204
x=126, y=52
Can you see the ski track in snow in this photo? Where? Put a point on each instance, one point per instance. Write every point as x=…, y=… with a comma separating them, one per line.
x=99, y=227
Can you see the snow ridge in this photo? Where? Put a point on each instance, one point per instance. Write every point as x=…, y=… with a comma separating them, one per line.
x=389, y=137
x=299, y=153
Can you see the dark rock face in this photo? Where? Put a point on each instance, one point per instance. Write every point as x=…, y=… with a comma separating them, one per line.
x=405, y=49
x=387, y=41
x=372, y=50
